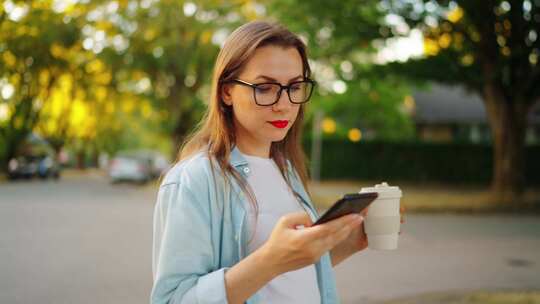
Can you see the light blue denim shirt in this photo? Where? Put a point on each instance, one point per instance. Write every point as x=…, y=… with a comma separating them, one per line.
x=200, y=232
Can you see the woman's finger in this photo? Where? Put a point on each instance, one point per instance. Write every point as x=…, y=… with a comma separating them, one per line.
x=292, y=220
x=333, y=226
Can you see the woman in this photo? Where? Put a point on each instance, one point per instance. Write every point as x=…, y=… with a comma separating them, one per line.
x=233, y=219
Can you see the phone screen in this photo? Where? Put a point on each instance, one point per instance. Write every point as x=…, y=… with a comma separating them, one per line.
x=349, y=203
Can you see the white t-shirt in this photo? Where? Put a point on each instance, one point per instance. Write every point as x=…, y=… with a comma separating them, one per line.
x=275, y=199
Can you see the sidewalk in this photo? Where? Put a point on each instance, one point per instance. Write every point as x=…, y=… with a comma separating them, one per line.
x=476, y=297
x=426, y=198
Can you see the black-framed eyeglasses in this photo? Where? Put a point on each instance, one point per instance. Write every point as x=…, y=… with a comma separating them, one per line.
x=268, y=93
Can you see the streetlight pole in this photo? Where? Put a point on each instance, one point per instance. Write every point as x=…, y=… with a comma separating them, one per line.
x=316, y=146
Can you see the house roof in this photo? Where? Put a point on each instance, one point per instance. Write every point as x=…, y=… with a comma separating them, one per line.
x=443, y=104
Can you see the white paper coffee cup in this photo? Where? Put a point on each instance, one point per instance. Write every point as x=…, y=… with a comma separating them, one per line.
x=383, y=241
x=382, y=223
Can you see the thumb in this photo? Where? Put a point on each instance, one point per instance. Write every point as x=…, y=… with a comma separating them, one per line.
x=292, y=220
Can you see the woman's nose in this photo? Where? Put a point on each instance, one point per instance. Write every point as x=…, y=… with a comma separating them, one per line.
x=283, y=102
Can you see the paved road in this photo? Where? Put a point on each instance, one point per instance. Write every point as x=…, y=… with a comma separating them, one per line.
x=82, y=240
x=447, y=253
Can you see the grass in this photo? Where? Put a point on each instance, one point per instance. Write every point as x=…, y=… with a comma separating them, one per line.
x=430, y=198
x=504, y=298
x=478, y=297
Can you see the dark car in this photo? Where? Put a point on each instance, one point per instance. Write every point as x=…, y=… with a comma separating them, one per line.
x=22, y=167
x=35, y=158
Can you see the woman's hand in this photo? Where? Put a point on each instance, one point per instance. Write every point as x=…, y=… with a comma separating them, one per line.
x=356, y=241
x=289, y=248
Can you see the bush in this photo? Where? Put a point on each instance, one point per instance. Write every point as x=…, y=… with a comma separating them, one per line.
x=458, y=163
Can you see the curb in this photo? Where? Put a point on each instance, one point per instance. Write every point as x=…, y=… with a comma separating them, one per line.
x=509, y=296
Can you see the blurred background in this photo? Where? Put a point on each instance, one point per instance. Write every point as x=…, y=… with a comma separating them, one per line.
x=441, y=98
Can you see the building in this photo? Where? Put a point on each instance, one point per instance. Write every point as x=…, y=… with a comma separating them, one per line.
x=449, y=113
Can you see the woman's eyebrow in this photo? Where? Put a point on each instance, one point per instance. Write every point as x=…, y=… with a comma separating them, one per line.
x=275, y=80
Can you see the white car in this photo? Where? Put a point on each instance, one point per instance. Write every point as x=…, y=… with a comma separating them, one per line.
x=130, y=168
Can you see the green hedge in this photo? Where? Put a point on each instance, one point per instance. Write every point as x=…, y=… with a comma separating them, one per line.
x=459, y=163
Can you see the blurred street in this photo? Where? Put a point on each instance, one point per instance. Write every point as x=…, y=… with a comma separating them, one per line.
x=80, y=240
x=83, y=240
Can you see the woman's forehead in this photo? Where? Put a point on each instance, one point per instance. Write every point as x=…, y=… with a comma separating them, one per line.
x=276, y=62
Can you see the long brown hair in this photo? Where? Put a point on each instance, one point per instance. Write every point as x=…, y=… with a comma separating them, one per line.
x=215, y=133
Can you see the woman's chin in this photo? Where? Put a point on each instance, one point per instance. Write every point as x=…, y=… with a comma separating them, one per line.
x=278, y=137
x=276, y=134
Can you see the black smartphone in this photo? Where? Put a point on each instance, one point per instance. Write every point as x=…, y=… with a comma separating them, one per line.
x=349, y=203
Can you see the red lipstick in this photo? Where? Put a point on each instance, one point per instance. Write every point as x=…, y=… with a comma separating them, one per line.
x=280, y=123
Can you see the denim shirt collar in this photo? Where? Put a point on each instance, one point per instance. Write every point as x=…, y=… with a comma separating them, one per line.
x=236, y=158
x=239, y=162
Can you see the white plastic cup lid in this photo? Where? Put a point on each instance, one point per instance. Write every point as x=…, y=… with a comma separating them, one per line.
x=384, y=190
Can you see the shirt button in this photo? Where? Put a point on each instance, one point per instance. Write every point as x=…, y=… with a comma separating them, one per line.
x=236, y=237
x=246, y=170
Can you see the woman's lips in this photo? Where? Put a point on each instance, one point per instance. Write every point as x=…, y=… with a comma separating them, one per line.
x=279, y=123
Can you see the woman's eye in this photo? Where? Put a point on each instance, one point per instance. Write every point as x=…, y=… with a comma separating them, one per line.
x=263, y=88
x=296, y=87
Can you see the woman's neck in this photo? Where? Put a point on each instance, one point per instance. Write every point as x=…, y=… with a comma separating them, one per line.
x=253, y=148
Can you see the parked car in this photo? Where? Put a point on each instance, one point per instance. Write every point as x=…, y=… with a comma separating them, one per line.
x=130, y=168
x=158, y=162
x=34, y=158
x=48, y=167
x=22, y=167
x=137, y=166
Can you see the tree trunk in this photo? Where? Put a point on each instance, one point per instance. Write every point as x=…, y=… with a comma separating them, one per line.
x=95, y=156
x=184, y=114
x=13, y=142
x=81, y=159
x=185, y=122
x=508, y=121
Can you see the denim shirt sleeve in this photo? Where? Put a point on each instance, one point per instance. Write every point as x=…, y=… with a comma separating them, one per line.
x=183, y=265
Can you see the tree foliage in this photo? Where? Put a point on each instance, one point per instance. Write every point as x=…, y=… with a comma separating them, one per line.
x=32, y=63
x=342, y=39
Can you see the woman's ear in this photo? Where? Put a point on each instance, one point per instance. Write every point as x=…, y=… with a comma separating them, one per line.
x=226, y=94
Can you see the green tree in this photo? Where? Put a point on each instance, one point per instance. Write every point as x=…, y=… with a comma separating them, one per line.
x=32, y=40
x=165, y=52
x=490, y=47
x=340, y=38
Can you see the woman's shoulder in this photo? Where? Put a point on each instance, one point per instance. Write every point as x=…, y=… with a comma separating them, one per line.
x=195, y=168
